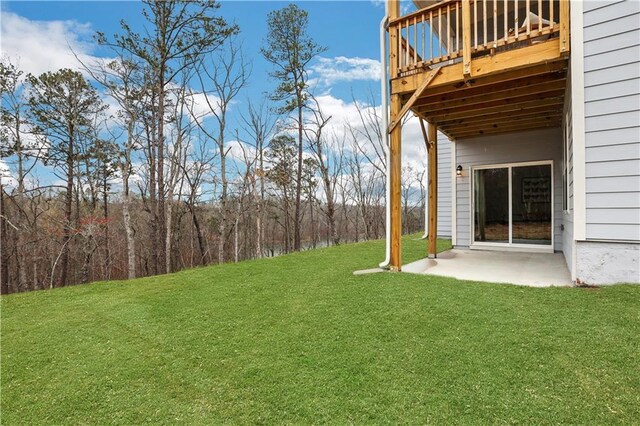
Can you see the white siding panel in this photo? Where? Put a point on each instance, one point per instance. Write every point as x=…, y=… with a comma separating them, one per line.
x=608, y=11
x=612, y=119
x=606, y=29
x=630, y=216
x=622, y=232
x=613, y=152
x=614, y=168
x=605, y=76
x=589, y=6
x=628, y=55
x=612, y=42
x=628, y=135
x=612, y=184
x=614, y=200
x=613, y=90
x=629, y=103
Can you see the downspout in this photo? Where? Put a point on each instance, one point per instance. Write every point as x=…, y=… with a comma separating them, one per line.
x=384, y=92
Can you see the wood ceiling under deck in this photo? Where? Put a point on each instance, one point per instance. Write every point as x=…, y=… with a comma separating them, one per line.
x=507, y=102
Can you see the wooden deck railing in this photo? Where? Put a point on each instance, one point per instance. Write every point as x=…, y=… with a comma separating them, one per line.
x=459, y=30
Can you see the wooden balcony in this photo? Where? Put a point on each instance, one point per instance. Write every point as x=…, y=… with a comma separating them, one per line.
x=477, y=67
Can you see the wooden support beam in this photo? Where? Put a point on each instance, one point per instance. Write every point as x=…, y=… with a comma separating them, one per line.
x=416, y=95
x=396, y=188
x=565, y=35
x=501, y=109
x=432, y=134
x=492, y=118
x=466, y=37
x=503, y=130
x=507, y=123
x=488, y=96
x=516, y=76
x=466, y=92
x=559, y=94
x=395, y=144
x=394, y=39
x=502, y=62
x=424, y=133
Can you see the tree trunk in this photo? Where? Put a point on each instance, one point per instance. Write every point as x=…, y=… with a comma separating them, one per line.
x=105, y=212
x=236, y=249
x=258, y=213
x=331, y=206
x=68, y=205
x=223, y=197
x=131, y=250
x=201, y=246
x=86, y=266
x=296, y=219
x=152, y=201
x=260, y=206
x=162, y=219
x=4, y=258
x=312, y=224
x=126, y=206
x=169, y=224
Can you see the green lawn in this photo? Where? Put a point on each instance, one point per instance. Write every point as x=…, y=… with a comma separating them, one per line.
x=299, y=339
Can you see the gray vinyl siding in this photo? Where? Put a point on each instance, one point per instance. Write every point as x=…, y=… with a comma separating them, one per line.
x=612, y=119
x=444, y=186
x=536, y=145
x=567, y=214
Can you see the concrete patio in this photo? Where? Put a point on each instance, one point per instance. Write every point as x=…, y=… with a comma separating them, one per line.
x=529, y=269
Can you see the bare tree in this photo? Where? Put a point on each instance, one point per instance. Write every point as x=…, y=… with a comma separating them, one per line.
x=180, y=33
x=124, y=81
x=14, y=128
x=199, y=163
x=227, y=73
x=259, y=124
x=328, y=153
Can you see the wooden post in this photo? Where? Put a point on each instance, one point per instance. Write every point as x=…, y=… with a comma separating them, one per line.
x=466, y=37
x=396, y=189
x=395, y=143
x=565, y=35
x=395, y=39
x=432, y=133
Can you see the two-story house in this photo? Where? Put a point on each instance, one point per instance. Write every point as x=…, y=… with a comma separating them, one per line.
x=531, y=113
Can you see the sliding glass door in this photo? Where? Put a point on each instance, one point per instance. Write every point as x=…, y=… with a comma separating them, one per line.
x=513, y=205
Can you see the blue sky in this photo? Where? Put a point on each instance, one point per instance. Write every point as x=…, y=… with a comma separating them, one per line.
x=39, y=34
x=347, y=28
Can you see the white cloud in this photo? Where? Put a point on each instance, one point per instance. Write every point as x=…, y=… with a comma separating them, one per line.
x=341, y=112
x=200, y=104
x=5, y=175
x=40, y=46
x=329, y=71
x=239, y=151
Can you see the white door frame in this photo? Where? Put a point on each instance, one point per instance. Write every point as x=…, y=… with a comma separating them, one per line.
x=510, y=246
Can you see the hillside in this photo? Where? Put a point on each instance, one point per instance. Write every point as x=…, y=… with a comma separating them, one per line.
x=299, y=339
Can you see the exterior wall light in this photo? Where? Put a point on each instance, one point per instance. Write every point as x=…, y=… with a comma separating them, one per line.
x=459, y=170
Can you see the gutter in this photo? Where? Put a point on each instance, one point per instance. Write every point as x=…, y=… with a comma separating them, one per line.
x=384, y=91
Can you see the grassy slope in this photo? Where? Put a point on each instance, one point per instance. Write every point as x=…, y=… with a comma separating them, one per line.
x=299, y=339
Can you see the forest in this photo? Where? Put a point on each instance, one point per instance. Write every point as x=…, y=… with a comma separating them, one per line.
x=153, y=161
